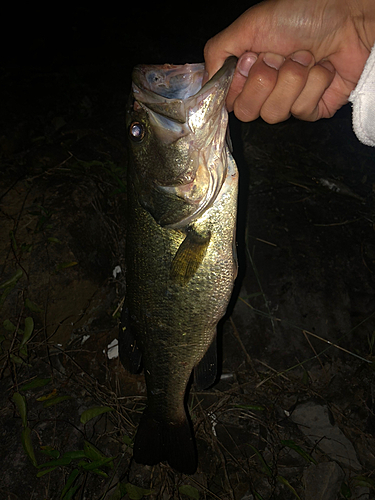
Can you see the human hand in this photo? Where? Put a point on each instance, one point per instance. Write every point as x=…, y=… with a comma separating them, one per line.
x=295, y=57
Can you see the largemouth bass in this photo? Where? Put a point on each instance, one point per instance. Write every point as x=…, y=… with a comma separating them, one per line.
x=180, y=254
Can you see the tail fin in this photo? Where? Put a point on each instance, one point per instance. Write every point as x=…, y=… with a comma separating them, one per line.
x=157, y=442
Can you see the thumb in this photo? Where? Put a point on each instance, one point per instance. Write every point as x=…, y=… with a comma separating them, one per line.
x=234, y=40
x=217, y=50
x=214, y=56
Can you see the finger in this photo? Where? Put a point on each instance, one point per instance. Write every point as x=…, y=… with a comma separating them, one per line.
x=309, y=105
x=291, y=80
x=243, y=67
x=234, y=40
x=260, y=83
x=214, y=56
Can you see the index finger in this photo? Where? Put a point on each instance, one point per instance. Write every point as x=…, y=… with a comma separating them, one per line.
x=218, y=49
x=238, y=38
x=214, y=57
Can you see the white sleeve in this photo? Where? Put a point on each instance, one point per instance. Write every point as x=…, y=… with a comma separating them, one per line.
x=363, y=99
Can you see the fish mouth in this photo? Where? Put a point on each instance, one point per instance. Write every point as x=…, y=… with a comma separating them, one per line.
x=169, y=81
x=176, y=91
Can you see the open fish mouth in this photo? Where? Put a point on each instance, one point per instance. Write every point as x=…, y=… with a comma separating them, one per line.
x=170, y=81
x=176, y=92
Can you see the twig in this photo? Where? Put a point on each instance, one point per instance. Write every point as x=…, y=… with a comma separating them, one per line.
x=267, y=242
x=337, y=223
x=276, y=373
x=292, y=325
x=260, y=286
x=204, y=488
x=248, y=358
x=337, y=346
x=312, y=347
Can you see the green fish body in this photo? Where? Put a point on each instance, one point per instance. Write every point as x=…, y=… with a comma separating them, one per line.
x=180, y=254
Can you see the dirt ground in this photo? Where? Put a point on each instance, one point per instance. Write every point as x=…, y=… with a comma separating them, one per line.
x=293, y=413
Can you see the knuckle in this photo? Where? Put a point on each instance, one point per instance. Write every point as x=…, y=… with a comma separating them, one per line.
x=273, y=116
x=300, y=112
x=275, y=110
x=264, y=81
x=304, y=110
x=305, y=114
x=321, y=76
x=244, y=112
x=293, y=77
x=208, y=48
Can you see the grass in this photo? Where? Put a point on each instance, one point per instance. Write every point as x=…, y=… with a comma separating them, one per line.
x=245, y=444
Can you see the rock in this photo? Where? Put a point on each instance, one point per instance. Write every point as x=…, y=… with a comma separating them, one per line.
x=313, y=420
x=323, y=481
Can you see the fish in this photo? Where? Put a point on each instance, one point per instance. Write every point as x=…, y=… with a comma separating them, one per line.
x=181, y=260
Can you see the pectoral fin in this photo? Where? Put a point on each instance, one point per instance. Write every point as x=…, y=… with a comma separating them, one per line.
x=189, y=257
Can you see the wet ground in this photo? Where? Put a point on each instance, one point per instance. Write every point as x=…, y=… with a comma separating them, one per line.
x=293, y=415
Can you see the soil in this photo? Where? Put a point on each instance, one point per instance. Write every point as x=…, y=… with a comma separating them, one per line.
x=294, y=408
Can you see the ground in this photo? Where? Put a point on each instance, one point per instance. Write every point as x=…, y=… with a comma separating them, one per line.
x=293, y=413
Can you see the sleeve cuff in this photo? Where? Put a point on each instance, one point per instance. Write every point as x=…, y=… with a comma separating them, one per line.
x=363, y=100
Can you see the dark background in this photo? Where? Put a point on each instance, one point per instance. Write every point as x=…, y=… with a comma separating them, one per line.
x=153, y=33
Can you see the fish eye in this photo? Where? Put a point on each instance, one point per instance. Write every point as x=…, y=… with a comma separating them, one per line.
x=137, y=131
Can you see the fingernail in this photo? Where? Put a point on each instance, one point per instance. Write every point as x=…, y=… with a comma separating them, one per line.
x=274, y=61
x=328, y=65
x=245, y=62
x=302, y=57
